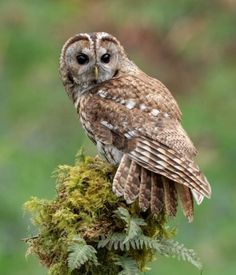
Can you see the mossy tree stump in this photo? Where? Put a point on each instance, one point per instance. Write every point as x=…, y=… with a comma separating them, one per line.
x=86, y=229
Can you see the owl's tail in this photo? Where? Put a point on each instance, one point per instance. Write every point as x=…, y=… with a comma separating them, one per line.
x=153, y=191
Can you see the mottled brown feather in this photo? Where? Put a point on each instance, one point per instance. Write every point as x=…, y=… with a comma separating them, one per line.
x=145, y=189
x=170, y=197
x=186, y=199
x=131, y=189
x=157, y=194
x=121, y=175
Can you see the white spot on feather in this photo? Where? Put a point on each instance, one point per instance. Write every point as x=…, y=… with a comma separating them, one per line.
x=107, y=124
x=130, y=104
x=127, y=135
x=143, y=107
x=166, y=115
x=122, y=101
x=102, y=93
x=155, y=112
x=130, y=134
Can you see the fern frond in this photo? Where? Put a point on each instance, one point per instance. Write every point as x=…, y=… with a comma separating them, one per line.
x=169, y=248
x=128, y=265
x=175, y=249
x=133, y=224
x=80, y=253
x=133, y=228
x=119, y=241
x=114, y=241
x=123, y=214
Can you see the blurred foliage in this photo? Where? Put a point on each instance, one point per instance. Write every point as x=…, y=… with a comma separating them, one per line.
x=189, y=45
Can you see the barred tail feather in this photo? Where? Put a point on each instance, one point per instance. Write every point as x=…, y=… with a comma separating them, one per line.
x=131, y=189
x=145, y=189
x=186, y=199
x=153, y=190
x=170, y=197
x=157, y=194
x=121, y=176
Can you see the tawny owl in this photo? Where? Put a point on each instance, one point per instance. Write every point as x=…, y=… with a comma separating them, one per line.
x=135, y=123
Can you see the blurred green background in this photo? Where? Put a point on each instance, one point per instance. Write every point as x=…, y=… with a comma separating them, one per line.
x=189, y=45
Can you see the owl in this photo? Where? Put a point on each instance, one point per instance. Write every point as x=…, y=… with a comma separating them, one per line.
x=135, y=124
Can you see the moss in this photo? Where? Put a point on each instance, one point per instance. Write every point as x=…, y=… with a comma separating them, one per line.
x=84, y=207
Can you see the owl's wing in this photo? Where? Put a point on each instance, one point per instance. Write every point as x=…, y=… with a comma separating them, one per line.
x=163, y=160
x=149, y=133
x=145, y=105
x=149, y=93
x=160, y=95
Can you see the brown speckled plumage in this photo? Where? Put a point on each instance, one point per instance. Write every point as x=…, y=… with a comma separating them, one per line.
x=135, y=123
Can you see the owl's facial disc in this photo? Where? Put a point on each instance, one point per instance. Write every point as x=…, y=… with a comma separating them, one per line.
x=80, y=60
x=107, y=57
x=91, y=59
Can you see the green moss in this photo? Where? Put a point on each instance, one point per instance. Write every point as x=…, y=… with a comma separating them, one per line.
x=82, y=231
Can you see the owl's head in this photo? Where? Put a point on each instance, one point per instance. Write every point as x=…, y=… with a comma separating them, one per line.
x=88, y=59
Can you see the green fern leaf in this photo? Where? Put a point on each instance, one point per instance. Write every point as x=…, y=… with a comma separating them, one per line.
x=114, y=241
x=133, y=229
x=123, y=214
x=128, y=265
x=133, y=224
x=80, y=253
x=175, y=249
x=168, y=248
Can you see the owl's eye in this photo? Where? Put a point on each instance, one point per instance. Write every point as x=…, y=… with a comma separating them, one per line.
x=82, y=58
x=106, y=58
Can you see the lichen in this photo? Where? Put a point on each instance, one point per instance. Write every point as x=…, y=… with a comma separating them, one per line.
x=75, y=227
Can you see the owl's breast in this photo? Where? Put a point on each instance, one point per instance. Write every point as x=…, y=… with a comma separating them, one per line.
x=86, y=119
x=89, y=114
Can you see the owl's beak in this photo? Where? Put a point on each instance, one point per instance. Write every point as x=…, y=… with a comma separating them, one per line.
x=96, y=73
